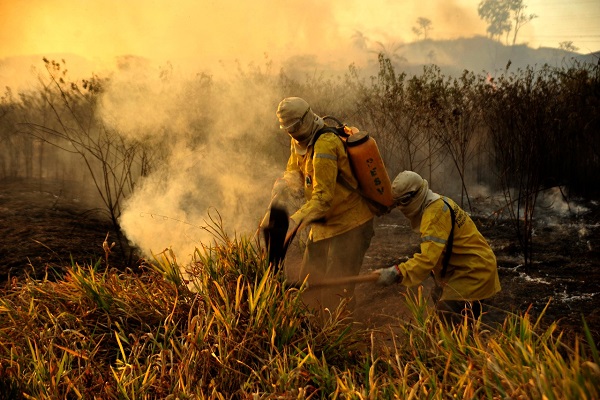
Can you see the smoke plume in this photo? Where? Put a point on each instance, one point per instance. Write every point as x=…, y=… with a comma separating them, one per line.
x=205, y=140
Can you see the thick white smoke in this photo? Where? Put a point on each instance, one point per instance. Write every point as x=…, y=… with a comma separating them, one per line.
x=210, y=171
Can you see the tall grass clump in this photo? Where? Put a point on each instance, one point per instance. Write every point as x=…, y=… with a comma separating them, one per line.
x=227, y=327
x=516, y=359
x=230, y=330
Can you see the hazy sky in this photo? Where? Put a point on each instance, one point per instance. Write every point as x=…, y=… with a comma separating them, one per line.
x=203, y=30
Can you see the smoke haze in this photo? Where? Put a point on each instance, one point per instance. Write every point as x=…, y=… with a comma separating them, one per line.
x=209, y=172
x=195, y=34
x=154, y=51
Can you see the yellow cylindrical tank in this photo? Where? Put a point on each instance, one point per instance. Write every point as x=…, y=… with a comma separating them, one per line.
x=368, y=167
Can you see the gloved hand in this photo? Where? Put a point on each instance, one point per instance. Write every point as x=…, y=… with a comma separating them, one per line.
x=388, y=276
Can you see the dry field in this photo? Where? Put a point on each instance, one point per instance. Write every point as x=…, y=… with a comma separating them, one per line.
x=45, y=224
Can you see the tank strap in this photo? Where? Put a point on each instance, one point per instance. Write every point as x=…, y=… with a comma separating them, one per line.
x=438, y=289
x=318, y=134
x=338, y=132
x=450, y=241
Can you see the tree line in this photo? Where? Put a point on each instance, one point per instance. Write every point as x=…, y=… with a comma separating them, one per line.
x=519, y=132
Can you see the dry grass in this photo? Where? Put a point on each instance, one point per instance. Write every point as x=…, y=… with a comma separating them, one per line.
x=235, y=330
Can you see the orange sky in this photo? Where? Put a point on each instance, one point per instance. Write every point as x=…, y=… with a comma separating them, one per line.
x=203, y=31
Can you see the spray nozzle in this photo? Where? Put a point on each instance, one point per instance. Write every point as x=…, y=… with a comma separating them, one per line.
x=343, y=130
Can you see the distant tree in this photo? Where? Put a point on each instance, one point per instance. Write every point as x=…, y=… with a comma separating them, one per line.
x=517, y=9
x=568, y=46
x=423, y=27
x=359, y=40
x=390, y=52
x=504, y=17
x=431, y=56
x=496, y=14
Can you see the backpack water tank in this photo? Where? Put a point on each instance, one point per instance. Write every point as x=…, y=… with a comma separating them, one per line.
x=369, y=168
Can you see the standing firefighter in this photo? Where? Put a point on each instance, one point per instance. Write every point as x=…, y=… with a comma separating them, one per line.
x=341, y=223
x=452, y=249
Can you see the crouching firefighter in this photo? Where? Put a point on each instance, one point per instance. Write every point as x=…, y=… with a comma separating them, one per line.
x=453, y=251
x=340, y=221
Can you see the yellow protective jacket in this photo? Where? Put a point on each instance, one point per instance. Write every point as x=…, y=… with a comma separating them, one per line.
x=472, y=271
x=331, y=207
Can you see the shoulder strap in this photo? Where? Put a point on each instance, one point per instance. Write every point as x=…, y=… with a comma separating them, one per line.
x=449, y=242
x=323, y=130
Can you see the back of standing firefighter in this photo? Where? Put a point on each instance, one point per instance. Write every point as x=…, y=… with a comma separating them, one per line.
x=339, y=218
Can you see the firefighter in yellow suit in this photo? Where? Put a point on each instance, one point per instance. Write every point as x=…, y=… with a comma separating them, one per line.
x=341, y=223
x=471, y=277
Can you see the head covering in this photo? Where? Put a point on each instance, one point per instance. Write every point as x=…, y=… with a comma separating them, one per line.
x=291, y=110
x=412, y=195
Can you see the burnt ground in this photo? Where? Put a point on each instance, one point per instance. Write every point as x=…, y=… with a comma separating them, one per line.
x=45, y=225
x=564, y=275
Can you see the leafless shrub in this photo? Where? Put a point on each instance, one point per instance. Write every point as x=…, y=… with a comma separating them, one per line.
x=389, y=106
x=112, y=161
x=452, y=117
x=520, y=115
